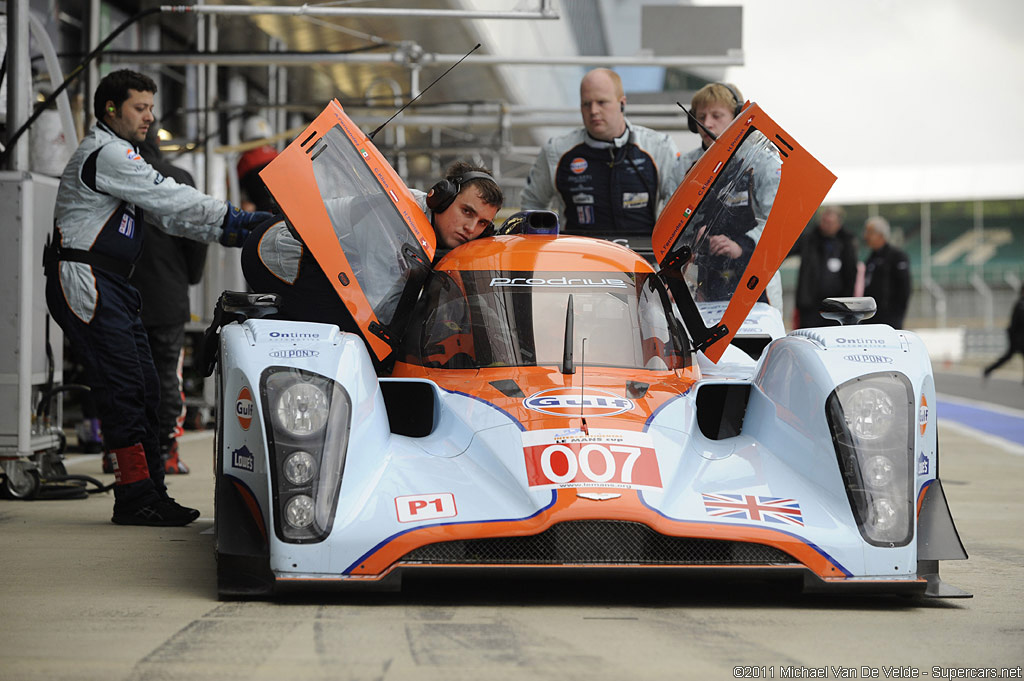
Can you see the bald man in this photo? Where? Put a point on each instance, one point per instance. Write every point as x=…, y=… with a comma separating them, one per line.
x=609, y=175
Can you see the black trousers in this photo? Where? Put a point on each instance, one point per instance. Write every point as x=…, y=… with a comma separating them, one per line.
x=119, y=371
x=166, y=344
x=1011, y=350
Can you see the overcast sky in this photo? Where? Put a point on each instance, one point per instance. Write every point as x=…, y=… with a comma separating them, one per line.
x=897, y=84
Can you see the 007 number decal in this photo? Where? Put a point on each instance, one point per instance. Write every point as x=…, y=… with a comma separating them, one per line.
x=615, y=460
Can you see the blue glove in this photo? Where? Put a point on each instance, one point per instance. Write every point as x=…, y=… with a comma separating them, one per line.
x=238, y=224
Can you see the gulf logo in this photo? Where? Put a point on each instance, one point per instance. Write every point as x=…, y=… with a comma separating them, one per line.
x=244, y=407
x=922, y=415
x=572, y=402
x=578, y=165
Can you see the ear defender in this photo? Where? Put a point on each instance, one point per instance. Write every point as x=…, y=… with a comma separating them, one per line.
x=443, y=194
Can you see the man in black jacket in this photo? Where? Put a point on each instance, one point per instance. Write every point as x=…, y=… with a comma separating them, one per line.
x=166, y=268
x=886, y=275
x=828, y=267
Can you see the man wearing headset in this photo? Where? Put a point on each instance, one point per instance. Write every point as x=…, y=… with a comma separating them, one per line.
x=461, y=207
x=610, y=175
x=97, y=237
x=715, y=106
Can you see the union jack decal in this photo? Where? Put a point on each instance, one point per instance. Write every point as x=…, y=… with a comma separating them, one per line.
x=753, y=507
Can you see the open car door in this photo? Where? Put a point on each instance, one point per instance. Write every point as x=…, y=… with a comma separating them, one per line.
x=731, y=223
x=359, y=220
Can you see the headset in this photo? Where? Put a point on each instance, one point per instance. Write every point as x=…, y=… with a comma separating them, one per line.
x=442, y=194
x=691, y=121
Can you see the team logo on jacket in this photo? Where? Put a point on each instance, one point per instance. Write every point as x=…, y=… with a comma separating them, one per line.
x=573, y=402
x=127, y=226
x=578, y=165
x=244, y=407
x=634, y=199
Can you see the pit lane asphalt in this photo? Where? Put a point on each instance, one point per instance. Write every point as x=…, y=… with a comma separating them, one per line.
x=81, y=598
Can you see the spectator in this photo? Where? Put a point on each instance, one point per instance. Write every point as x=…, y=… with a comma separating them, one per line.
x=886, y=275
x=98, y=230
x=165, y=269
x=828, y=267
x=1015, y=334
x=609, y=175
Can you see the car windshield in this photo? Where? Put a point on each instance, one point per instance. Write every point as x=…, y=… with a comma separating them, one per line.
x=727, y=224
x=481, y=318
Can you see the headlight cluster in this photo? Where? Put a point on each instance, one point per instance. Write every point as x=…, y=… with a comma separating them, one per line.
x=871, y=422
x=308, y=436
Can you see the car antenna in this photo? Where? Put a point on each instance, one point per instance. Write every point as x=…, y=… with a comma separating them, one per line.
x=567, y=365
x=407, y=104
x=693, y=118
x=583, y=376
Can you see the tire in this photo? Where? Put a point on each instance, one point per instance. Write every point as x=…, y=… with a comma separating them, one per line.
x=26, y=487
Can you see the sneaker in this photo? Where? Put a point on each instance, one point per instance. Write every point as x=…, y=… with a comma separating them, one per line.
x=161, y=513
x=194, y=512
x=173, y=465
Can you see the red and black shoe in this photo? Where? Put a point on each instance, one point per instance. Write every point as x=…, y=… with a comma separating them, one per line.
x=163, y=512
x=173, y=465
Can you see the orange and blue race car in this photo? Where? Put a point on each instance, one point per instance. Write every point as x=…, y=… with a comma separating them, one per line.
x=553, y=402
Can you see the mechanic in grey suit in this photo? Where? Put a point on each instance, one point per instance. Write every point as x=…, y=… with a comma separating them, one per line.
x=98, y=231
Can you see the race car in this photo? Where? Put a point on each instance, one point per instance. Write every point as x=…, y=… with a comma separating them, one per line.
x=550, y=402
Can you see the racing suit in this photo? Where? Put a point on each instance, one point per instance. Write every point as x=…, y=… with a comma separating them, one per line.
x=98, y=232
x=599, y=186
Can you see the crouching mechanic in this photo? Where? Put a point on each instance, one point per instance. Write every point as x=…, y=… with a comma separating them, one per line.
x=460, y=207
x=98, y=231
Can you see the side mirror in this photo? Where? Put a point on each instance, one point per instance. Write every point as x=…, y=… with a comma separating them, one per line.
x=848, y=310
x=530, y=222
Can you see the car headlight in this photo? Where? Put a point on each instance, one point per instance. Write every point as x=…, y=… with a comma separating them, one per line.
x=301, y=409
x=870, y=412
x=307, y=436
x=872, y=431
x=298, y=512
x=299, y=467
x=878, y=471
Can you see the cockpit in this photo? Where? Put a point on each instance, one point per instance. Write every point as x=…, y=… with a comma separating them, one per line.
x=472, y=319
